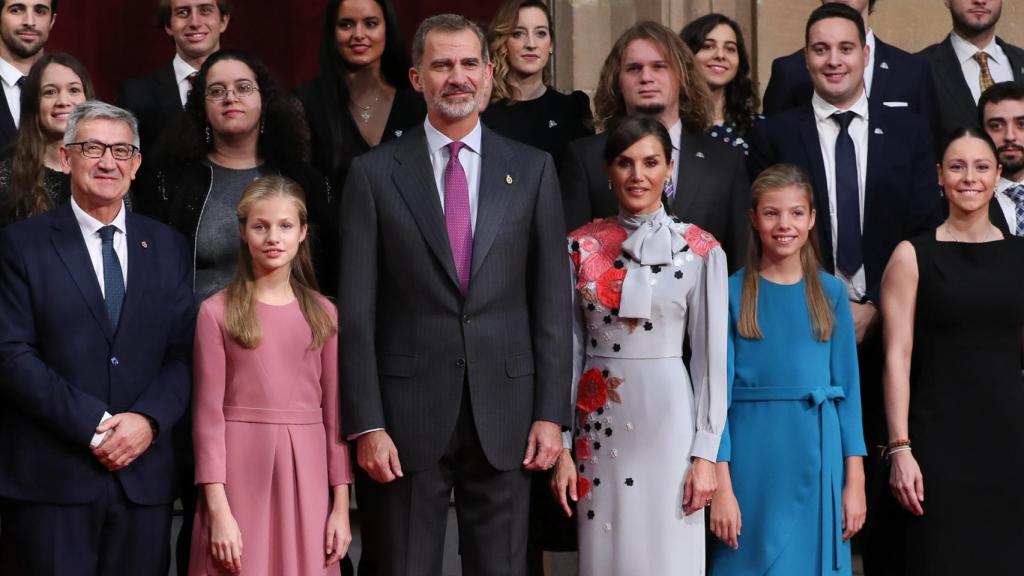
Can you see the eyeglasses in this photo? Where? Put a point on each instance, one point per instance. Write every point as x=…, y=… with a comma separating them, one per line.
x=242, y=90
x=96, y=149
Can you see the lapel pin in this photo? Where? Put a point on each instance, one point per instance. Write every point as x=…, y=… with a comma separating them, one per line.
x=145, y=244
x=884, y=65
x=700, y=154
x=879, y=131
x=552, y=123
x=398, y=133
x=508, y=178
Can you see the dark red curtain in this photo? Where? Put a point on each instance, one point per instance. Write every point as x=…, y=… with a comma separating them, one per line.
x=118, y=39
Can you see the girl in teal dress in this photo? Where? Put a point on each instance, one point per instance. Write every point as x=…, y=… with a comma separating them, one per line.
x=790, y=472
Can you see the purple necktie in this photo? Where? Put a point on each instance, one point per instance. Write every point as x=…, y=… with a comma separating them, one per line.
x=456, y=214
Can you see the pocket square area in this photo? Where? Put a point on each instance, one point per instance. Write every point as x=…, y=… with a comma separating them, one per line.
x=895, y=104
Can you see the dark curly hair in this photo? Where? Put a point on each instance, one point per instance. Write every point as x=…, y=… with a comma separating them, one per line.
x=741, y=101
x=283, y=140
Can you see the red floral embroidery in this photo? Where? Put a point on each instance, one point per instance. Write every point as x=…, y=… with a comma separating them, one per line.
x=609, y=287
x=582, y=487
x=593, y=391
x=582, y=449
x=700, y=241
x=599, y=244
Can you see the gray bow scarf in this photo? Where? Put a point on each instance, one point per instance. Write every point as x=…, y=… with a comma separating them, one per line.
x=654, y=240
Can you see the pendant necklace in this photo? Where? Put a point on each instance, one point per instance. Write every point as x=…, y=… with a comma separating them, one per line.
x=365, y=112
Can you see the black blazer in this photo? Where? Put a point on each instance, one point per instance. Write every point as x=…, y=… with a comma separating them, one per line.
x=956, y=105
x=899, y=78
x=155, y=102
x=712, y=190
x=901, y=199
x=62, y=364
x=410, y=341
x=8, y=131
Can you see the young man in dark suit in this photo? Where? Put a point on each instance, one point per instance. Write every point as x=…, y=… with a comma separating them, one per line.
x=874, y=185
x=158, y=98
x=1001, y=112
x=24, y=28
x=969, y=60
x=893, y=78
x=93, y=377
x=650, y=71
x=455, y=303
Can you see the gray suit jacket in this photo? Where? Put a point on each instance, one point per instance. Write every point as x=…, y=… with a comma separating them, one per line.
x=410, y=341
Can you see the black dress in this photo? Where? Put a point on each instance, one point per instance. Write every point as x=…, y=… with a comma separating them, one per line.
x=549, y=122
x=967, y=407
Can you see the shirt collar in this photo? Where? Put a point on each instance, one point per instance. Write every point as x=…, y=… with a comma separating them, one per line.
x=965, y=50
x=823, y=110
x=182, y=69
x=869, y=40
x=91, y=226
x=9, y=73
x=436, y=140
x=675, y=133
x=1005, y=184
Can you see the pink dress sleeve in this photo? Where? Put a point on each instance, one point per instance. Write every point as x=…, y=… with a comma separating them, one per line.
x=210, y=377
x=338, y=465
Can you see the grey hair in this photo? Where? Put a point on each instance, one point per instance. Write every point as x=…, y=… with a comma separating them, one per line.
x=446, y=23
x=97, y=110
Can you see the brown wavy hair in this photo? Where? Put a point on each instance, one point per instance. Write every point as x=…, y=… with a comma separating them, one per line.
x=501, y=29
x=695, y=108
x=240, y=316
x=822, y=317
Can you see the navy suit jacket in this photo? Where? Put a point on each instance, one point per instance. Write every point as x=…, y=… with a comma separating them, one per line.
x=956, y=104
x=898, y=77
x=62, y=364
x=901, y=194
x=8, y=131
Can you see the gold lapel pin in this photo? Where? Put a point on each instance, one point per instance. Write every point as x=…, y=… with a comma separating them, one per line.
x=145, y=244
x=508, y=178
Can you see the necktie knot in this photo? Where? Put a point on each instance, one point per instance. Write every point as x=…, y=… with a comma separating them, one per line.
x=981, y=57
x=192, y=79
x=844, y=119
x=107, y=234
x=454, y=147
x=21, y=81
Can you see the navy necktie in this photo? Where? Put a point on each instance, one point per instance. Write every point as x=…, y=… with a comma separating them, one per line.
x=849, y=257
x=113, y=277
x=1016, y=193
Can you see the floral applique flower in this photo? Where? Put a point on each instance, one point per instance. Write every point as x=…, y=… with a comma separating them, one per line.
x=593, y=391
x=583, y=448
x=699, y=240
x=609, y=287
x=599, y=245
x=582, y=487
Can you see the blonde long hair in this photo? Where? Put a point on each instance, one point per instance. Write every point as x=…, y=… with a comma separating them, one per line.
x=822, y=317
x=501, y=29
x=240, y=317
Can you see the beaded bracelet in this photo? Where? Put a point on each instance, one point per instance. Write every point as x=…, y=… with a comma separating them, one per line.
x=902, y=448
x=898, y=443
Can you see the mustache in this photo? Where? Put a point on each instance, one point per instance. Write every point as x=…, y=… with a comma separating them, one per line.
x=458, y=88
x=1008, y=147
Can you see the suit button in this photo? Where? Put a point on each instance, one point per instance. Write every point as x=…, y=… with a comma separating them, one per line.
x=115, y=361
x=460, y=362
x=465, y=318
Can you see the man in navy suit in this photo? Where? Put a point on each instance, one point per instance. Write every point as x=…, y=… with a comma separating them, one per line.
x=158, y=98
x=969, y=60
x=24, y=28
x=874, y=185
x=893, y=78
x=96, y=321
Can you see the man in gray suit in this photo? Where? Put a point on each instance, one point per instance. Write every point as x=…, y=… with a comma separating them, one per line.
x=455, y=314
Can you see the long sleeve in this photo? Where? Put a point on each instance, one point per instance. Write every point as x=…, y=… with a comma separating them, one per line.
x=708, y=331
x=725, y=447
x=210, y=369
x=339, y=469
x=846, y=375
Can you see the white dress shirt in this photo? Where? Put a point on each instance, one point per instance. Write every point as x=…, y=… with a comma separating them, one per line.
x=182, y=70
x=469, y=157
x=10, y=76
x=94, y=244
x=675, y=133
x=998, y=63
x=869, y=71
x=1006, y=204
x=828, y=131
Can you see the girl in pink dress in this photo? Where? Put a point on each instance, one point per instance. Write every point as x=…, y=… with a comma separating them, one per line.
x=270, y=460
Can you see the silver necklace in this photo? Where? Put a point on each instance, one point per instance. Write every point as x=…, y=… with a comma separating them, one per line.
x=949, y=232
x=366, y=112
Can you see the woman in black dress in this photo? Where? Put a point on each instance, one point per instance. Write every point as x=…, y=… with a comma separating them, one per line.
x=362, y=96
x=721, y=56
x=953, y=307
x=523, y=105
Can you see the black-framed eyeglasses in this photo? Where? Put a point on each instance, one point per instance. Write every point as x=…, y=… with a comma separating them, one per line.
x=242, y=90
x=96, y=149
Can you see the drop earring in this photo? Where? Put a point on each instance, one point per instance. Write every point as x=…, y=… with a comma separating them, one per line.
x=261, y=126
x=207, y=131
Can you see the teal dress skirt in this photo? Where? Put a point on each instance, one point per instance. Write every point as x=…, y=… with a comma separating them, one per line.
x=794, y=415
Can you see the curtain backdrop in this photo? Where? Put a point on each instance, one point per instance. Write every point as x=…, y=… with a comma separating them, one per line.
x=119, y=39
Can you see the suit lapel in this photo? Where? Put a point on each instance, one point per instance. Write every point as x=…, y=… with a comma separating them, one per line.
x=995, y=214
x=141, y=273
x=694, y=169
x=880, y=78
x=497, y=184
x=67, y=240
x=812, y=151
x=167, y=90
x=877, y=153
x=1016, y=57
x=950, y=75
x=414, y=180
x=7, y=127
